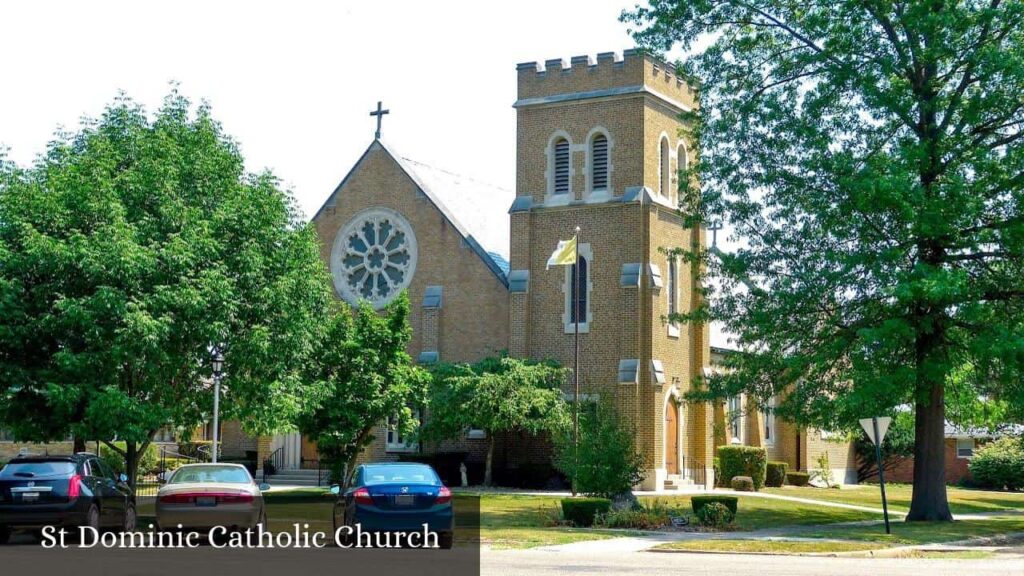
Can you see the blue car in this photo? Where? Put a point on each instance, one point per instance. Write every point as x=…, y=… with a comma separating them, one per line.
x=396, y=497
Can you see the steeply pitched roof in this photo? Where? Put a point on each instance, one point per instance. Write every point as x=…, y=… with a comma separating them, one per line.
x=476, y=209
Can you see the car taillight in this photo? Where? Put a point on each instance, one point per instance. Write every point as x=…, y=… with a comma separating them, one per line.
x=362, y=496
x=444, y=496
x=177, y=499
x=74, y=487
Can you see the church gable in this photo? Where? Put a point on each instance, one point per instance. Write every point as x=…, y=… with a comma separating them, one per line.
x=383, y=230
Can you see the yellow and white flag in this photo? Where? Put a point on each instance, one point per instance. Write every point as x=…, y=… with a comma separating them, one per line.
x=564, y=255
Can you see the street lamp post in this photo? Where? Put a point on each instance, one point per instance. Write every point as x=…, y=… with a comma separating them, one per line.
x=218, y=366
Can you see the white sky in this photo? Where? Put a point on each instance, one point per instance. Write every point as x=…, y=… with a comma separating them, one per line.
x=294, y=82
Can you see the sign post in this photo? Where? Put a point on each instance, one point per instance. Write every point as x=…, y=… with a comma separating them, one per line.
x=876, y=428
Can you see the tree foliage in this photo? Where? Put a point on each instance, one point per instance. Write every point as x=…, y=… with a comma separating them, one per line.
x=897, y=447
x=362, y=378
x=496, y=395
x=128, y=252
x=868, y=155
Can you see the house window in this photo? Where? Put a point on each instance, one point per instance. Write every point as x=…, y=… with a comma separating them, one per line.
x=398, y=442
x=664, y=172
x=965, y=447
x=599, y=163
x=735, y=417
x=476, y=434
x=578, y=302
x=561, y=167
x=164, y=435
x=769, y=422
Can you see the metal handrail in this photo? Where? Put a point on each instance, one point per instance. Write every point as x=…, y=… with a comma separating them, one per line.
x=276, y=459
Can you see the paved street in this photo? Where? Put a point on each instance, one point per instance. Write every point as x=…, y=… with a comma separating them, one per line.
x=550, y=562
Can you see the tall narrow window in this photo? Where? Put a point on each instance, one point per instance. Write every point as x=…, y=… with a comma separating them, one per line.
x=664, y=171
x=599, y=162
x=682, y=163
x=769, y=422
x=735, y=417
x=673, y=287
x=578, y=298
x=561, y=166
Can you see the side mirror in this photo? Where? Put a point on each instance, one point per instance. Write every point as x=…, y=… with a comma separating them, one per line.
x=335, y=489
x=122, y=478
x=264, y=487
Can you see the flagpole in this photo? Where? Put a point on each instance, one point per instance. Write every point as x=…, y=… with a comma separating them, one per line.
x=576, y=362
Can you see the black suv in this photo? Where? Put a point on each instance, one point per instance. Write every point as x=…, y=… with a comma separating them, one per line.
x=66, y=491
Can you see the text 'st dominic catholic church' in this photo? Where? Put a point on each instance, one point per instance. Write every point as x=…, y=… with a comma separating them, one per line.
x=599, y=145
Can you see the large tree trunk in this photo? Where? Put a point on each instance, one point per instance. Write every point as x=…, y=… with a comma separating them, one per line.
x=929, y=500
x=79, y=445
x=490, y=459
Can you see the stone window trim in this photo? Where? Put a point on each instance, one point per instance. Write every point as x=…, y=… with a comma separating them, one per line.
x=550, y=197
x=664, y=167
x=356, y=257
x=519, y=281
x=599, y=194
x=657, y=372
x=586, y=286
x=672, y=295
x=433, y=297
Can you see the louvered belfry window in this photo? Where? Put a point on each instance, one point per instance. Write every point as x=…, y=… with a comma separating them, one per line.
x=562, y=166
x=599, y=158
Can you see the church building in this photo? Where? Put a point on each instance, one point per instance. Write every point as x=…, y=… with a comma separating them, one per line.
x=599, y=146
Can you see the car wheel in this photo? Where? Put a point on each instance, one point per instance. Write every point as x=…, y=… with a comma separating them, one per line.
x=92, y=518
x=129, y=518
x=5, y=535
x=446, y=540
x=263, y=520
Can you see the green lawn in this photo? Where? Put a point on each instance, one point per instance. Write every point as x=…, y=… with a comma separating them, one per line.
x=766, y=546
x=961, y=500
x=755, y=513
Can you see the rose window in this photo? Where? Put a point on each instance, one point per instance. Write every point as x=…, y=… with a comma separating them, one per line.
x=374, y=257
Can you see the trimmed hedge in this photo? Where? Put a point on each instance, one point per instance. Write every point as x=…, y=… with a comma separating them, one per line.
x=698, y=502
x=743, y=461
x=742, y=484
x=775, y=474
x=582, y=511
x=798, y=478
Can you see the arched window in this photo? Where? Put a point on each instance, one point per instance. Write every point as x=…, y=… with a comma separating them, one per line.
x=599, y=162
x=664, y=171
x=561, y=166
x=578, y=298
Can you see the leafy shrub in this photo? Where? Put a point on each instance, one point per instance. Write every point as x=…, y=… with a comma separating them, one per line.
x=715, y=515
x=823, y=473
x=742, y=484
x=698, y=502
x=650, y=517
x=608, y=462
x=583, y=511
x=551, y=517
x=197, y=449
x=716, y=464
x=743, y=461
x=999, y=464
x=775, y=474
x=797, y=478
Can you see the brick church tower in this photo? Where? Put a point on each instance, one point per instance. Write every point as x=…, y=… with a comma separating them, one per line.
x=600, y=144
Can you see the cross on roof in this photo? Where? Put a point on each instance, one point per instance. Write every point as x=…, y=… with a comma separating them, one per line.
x=714, y=227
x=379, y=113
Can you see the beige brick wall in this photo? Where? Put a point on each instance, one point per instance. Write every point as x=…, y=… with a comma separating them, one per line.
x=9, y=450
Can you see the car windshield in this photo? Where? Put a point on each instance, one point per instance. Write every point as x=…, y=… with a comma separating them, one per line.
x=36, y=469
x=211, y=474
x=397, y=474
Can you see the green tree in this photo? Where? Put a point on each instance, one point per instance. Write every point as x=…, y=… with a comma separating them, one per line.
x=131, y=250
x=362, y=377
x=868, y=154
x=607, y=464
x=496, y=395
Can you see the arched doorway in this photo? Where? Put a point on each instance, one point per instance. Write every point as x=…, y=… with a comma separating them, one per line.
x=672, y=436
